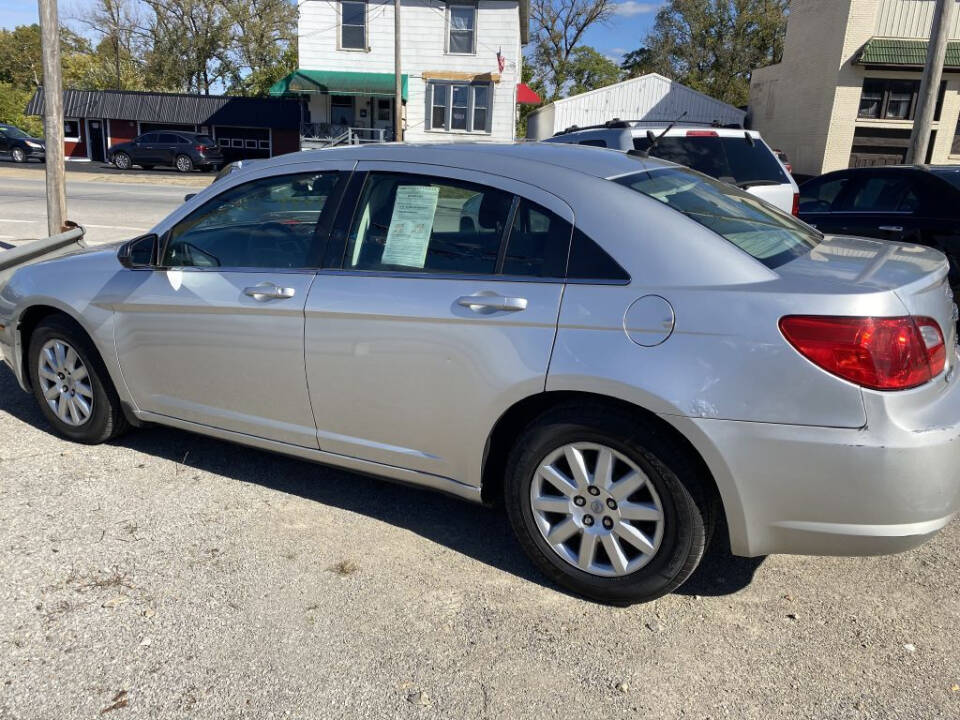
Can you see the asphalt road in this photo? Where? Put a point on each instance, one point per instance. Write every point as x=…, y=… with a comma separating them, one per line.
x=167, y=575
x=109, y=211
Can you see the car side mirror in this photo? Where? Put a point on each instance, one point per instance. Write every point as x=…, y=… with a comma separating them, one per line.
x=139, y=253
x=189, y=196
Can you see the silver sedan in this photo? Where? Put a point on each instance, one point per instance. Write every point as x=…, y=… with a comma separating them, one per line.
x=623, y=353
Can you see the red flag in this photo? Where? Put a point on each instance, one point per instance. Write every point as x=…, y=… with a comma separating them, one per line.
x=501, y=60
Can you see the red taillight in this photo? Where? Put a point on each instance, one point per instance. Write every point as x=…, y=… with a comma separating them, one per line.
x=880, y=353
x=796, y=205
x=200, y=148
x=702, y=133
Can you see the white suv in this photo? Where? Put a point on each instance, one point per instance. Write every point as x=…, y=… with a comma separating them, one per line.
x=734, y=155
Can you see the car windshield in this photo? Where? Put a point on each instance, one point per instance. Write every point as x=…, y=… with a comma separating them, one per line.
x=762, y=231
x=731, y=159
x=12, y=132
x=951, y=175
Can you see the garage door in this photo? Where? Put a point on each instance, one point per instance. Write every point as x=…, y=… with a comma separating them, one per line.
x=238, y=143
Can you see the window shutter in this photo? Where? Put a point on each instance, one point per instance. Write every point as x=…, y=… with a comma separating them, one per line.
x=428, y=113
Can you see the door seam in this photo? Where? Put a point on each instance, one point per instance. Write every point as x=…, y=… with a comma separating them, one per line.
x=556, y=333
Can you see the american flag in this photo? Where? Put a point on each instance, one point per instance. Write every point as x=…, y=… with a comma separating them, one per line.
x=501, y=60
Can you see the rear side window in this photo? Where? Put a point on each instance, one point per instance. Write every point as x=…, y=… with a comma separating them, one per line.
x=168, y=139
x=589, y=261
x=412, y=223
x=538, y=244
x=772, y=237
x=731, y=159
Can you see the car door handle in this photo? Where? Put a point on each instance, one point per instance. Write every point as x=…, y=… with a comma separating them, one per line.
x=269, y=291
x=491, y=303
x=891, y=228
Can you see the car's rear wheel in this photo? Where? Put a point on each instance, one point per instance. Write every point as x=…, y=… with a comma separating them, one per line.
x=184, y=163
x=71, y=384
x=606, y=505
x=122, y=161
x=18, y=155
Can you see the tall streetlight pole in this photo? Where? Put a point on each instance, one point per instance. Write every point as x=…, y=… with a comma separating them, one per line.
x=398, y=90
x=930, y=82
x=53, y=116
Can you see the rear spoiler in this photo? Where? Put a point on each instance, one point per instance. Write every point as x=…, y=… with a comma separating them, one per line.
x=37, y=250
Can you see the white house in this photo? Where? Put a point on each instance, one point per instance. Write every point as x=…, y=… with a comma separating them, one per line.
x=845, y=92
x=460, y=64
x=649, y=97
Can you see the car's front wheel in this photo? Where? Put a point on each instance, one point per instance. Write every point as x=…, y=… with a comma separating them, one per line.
x=71, y=384
x=607, y=505
x=122, y=161
x=18, y=155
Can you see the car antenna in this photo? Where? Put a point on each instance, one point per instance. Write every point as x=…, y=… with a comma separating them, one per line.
x=749, y=137
x=654, y=139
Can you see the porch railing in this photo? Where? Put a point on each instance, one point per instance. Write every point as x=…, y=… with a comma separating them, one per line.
x=329, y=134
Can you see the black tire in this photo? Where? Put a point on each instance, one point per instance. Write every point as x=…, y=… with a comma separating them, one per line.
x=689, y=510
x=183, y=163
x=106, y=419
x=18, y=155
x=121, y=161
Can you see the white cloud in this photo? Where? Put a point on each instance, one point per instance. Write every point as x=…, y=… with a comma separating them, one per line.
x=629, y=8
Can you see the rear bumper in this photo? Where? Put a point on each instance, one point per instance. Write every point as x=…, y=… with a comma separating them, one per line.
x=831, y=491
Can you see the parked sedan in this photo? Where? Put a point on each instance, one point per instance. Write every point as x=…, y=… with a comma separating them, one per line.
x=919, y=204
x=182, y=150
x=470, y=319
x=19, y=145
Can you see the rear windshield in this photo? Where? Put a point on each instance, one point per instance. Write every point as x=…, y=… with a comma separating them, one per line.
x=731, y=159
x=772, y=237
x=206, y=140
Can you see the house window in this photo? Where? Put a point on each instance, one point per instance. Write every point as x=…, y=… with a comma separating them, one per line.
x=901, y=94
x=462, y=20
x=71, y=129
x=353, y=24
x=884, y=99
x=871, y=99
x=458, y=106
x=383, y=111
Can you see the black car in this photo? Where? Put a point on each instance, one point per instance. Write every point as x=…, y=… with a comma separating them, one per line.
x=182, y=150
x=21, y=146
x=910, y=203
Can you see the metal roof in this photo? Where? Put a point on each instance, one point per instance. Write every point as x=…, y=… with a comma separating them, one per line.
x=903, y=53
x=176, y=108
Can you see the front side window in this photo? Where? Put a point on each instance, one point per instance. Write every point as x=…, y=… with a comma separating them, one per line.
x=412, y=223
x=770, y=236
x=353, y=24
x=266, y=223
x=458, y=106
x=462, y=22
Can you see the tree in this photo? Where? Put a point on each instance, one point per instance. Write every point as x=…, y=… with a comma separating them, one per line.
x=636, y=63
x=21, y=64
x=589, y=70
x=263, y=48
x=115, y=63
x=714, y=45
x=13, y=101
x=558, y=28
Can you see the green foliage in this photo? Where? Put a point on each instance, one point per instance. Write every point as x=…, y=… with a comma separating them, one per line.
x=714, y=45
x=636, y=63
x=528, y=77
x=589, y=70
x=13, y=101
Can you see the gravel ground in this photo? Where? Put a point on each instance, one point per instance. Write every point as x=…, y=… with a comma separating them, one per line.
x=168, y=575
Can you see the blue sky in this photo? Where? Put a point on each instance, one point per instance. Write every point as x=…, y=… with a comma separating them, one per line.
x=625, y=32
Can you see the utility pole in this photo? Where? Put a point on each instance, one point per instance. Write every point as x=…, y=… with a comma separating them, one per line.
x=53, y=116
x=930, y=82
x=398, y=90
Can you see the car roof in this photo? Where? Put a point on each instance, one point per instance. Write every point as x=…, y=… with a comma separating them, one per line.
x=521, y=160
x=676, y=130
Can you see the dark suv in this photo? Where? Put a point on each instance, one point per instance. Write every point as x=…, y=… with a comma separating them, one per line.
x=182, y=150
x=19, y=145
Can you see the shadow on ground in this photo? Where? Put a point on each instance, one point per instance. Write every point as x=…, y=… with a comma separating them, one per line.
x=475, y=531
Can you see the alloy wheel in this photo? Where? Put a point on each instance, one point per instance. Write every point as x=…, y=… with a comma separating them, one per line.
x=18, y=155
x=597, y=509
x=122, y=161
x=65, y=383
x=183, y=163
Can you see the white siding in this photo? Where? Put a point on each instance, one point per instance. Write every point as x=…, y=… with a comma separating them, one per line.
x=910, y=19
x=652, y=97
x=423, y=37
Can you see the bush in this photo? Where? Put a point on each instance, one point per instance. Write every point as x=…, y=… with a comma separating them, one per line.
x=13, y=101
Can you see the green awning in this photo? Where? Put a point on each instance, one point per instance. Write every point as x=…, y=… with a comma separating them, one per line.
x=903, y=53
x=335, y=82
